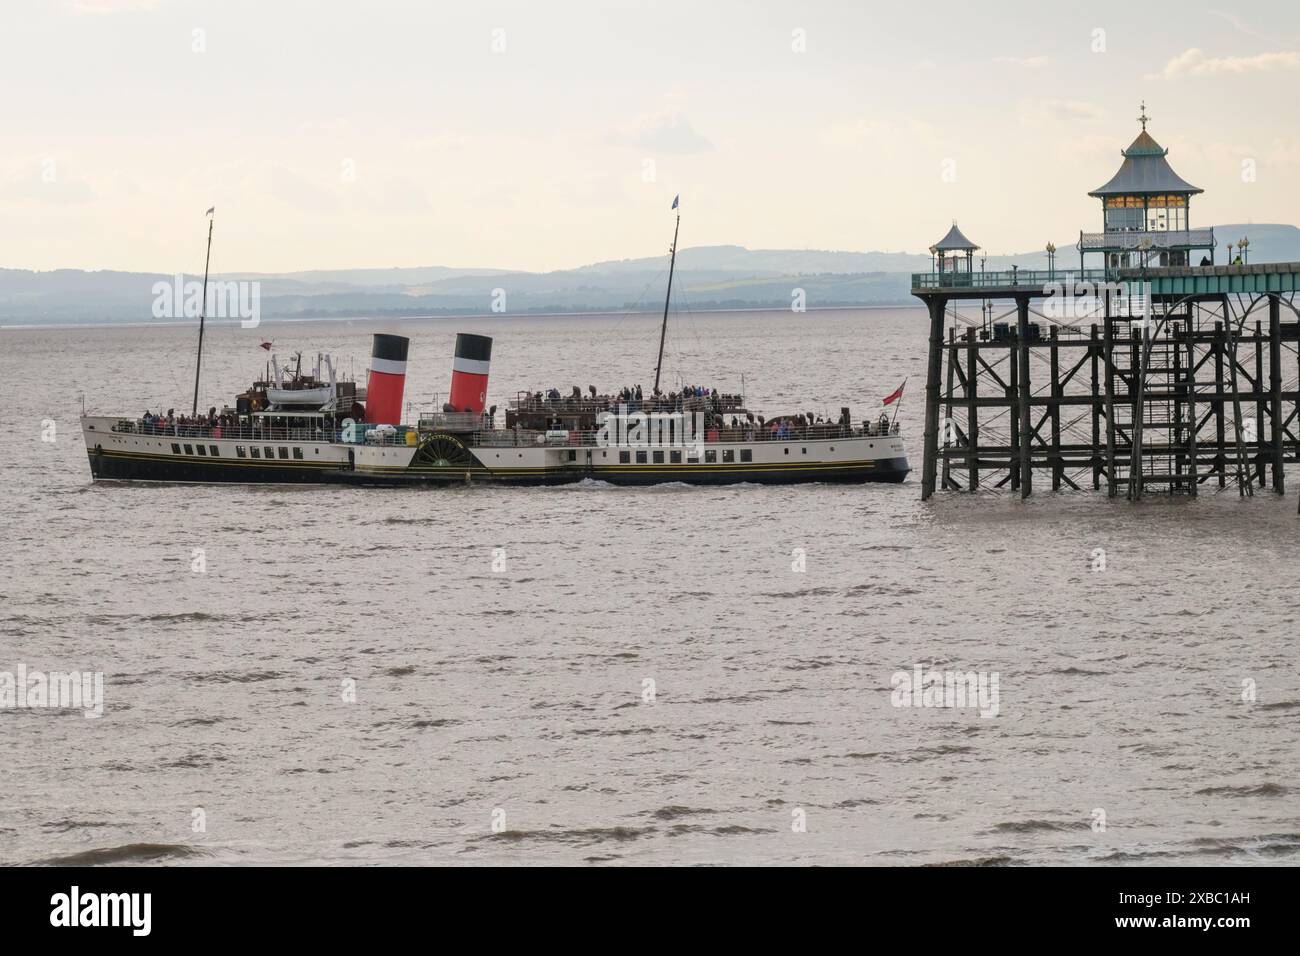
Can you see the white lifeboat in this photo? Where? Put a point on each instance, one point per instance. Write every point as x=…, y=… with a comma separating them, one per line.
x=300, y=396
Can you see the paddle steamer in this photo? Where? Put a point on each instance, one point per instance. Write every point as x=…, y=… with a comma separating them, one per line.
x=300, y=426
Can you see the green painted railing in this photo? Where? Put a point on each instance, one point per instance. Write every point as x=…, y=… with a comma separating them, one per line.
x=1031, y=278
x=1173, y=280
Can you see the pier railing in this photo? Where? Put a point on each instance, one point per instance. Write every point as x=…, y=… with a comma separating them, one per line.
x=1158, y=239
x=1028, y=278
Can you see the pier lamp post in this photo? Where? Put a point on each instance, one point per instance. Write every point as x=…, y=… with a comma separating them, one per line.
x=1051, y=260
x=1144, y=255
x=1145, y=248
x=1229, y=253
x=934, y=251
x=1242, y=245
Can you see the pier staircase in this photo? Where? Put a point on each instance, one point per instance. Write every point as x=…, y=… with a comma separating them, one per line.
x=1165, y=397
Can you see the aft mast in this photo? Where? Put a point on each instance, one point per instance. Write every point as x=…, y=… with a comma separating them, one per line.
x=203, y=308
x=663, y=331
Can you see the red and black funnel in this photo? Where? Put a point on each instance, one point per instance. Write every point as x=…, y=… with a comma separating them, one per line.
x=469, y=372
x=387, y=379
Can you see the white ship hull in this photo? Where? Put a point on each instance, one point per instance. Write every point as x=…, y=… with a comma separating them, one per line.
x=121, y=450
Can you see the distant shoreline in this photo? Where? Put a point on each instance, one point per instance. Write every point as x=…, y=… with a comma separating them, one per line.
x=285, y=320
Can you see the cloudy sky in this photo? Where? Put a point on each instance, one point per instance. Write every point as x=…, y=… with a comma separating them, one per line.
x=549, y=135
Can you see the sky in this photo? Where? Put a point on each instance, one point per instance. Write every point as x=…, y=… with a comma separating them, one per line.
x=544, y=136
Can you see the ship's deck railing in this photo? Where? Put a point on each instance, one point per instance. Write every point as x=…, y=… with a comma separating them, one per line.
x=570, y=405
x=259, y=433
x=498, y=437
x=528, y=438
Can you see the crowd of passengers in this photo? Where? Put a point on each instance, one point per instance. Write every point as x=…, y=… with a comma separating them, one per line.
x=209, y=425
x=214, y=425
x=633, y=396
x=789, y=427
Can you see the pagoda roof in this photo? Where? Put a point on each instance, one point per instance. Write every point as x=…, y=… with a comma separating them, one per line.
x=955, y=241
x=1145, y=171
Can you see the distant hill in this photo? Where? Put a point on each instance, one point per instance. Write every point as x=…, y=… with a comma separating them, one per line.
x=708, y=277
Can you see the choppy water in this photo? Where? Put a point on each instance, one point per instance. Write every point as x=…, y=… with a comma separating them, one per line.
x=518, y=695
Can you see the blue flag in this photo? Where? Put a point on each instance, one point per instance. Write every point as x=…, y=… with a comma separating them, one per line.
x=675, y=198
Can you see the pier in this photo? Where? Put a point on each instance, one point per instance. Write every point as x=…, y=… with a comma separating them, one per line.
x=1152, y=371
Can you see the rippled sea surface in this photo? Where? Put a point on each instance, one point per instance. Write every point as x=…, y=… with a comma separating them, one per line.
x=515, y=699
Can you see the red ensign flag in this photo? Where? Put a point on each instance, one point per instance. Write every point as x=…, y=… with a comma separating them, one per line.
x=896, y=395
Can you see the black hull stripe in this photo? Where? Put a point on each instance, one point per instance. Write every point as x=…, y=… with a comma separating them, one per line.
x=115, y=468
x=689, y=478
x=584, y=471
x=886, y=470
x=134, y=466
